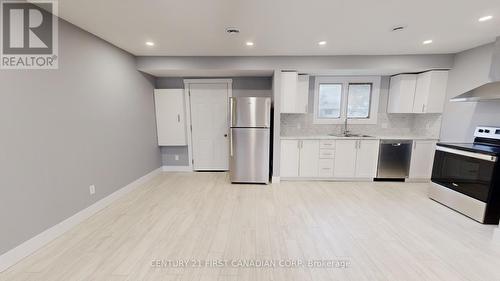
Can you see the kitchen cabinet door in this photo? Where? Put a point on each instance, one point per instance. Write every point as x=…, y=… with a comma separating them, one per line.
x=294, y=92
x=302, y=94
x=288, y=92
x=170, y=117
x=345, y=159
x=430, y=93
x=367, y=158
x=309, y=158
x=402, y=93
x=422, y=159
x=289, y=159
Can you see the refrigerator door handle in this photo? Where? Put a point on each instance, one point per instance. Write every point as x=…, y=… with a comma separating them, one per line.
x=231, y=143
x=232, y=114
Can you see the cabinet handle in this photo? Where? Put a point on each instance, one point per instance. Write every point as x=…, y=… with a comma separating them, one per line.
x=423, y=108
x=179, y=118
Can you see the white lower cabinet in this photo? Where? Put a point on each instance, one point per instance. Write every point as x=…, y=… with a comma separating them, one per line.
x=299, y=158
x=422, y=159
x=356, y=158
x=309, y=156
x=289, y=159
x=367, y=158
x=345, y=159
x=326, y=168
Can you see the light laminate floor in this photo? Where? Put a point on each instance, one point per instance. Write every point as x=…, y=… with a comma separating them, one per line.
x=384, y=231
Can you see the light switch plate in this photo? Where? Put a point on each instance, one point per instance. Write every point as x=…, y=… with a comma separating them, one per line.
x=92, y=189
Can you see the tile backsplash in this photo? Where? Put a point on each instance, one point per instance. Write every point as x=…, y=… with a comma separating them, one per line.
x=398, y=125
x=427, y=125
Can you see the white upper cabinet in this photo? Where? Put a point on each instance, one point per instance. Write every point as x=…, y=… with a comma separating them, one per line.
x=418, y=93
x=422, y=159
x=402, y=93
x=294, y=92
x=367, y=158
x=170, y=117
x=430, y=93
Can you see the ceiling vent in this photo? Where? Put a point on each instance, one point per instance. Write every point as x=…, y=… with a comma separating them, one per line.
x=232, y=30
x=398, y=28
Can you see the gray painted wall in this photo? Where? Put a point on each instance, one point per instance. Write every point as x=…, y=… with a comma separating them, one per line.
x=470, y=70
x=89, y=122
x=242, y=87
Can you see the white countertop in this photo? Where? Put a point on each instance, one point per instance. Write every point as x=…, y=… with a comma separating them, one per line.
x=323, y=137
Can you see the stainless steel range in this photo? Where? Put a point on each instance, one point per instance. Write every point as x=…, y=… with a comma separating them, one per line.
x=466, y=176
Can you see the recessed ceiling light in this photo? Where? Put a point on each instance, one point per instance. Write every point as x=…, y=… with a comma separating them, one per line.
x=322, y=43
x=426, y=42
x=150, y=43
x=249, y=43
x=485, y=18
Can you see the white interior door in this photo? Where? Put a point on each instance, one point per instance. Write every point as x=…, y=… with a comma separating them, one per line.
x=210, y=121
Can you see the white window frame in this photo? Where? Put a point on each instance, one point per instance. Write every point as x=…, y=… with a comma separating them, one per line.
x=345, y=81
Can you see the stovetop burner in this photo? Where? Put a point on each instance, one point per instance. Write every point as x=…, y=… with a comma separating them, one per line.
x=474, y=147
x=487, y=141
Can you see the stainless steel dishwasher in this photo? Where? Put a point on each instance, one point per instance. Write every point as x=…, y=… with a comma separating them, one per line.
x=394, y=159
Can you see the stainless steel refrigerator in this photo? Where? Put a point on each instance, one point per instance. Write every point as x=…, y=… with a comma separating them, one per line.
x=250, y=137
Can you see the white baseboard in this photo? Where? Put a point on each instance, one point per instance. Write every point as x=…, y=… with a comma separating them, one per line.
x=275, y=180
x=29, y=247
x=496, y=235
x=327, y=179
x=177, y=168
x=417, y=180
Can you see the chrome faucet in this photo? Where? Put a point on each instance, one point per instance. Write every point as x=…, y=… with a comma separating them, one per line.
x=346, y=131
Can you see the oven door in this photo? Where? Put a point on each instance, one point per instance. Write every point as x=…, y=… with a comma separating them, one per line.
x=466, y=172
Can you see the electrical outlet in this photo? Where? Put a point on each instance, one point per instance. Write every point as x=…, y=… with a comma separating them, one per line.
x=92, y=189
x=176, y=157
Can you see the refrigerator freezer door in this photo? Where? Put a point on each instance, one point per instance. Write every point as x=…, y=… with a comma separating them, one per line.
x=250, y=112
x=249, y=155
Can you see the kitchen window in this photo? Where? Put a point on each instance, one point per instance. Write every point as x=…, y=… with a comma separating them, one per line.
x=354, y=98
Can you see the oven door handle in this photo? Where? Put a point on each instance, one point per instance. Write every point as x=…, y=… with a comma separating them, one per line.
x=475, y=155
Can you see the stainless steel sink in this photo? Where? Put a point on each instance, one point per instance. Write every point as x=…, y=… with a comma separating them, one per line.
x=351, y=135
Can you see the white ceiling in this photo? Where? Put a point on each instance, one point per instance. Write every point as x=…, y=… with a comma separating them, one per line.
x=286, y=27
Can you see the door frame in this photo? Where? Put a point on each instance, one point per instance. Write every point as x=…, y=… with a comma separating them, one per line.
x=187, y=102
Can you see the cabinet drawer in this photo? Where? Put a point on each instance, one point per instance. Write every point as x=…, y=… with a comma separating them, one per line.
x=326, y=153
x=326, y=168
x=328, y=144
